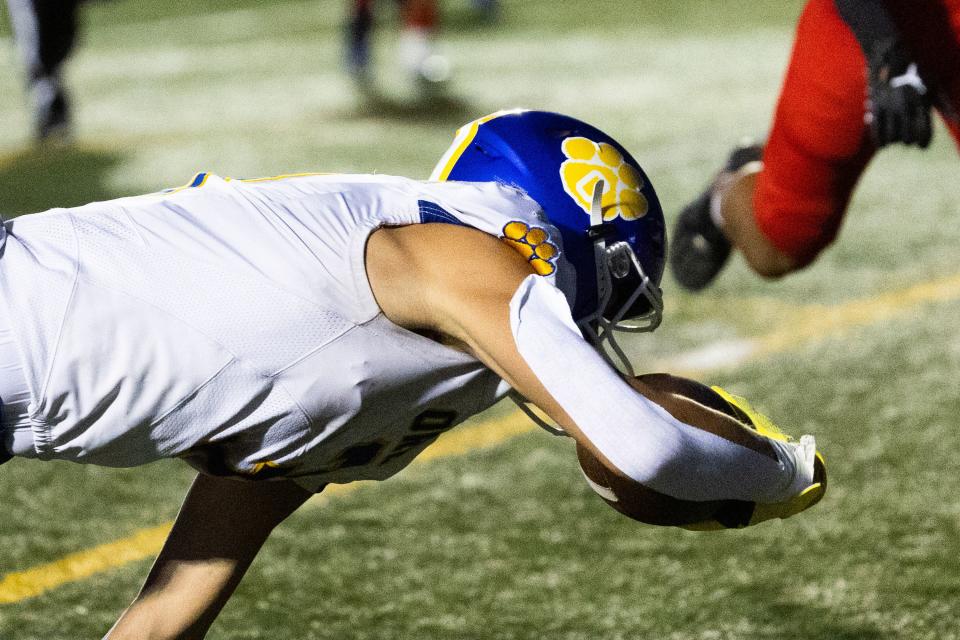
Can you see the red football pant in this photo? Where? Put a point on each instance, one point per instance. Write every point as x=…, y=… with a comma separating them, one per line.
x=419, y=14
x=819, y=145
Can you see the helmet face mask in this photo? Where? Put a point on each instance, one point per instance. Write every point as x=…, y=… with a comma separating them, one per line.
x=640, y=300
x=624, y=291
x=596, y=195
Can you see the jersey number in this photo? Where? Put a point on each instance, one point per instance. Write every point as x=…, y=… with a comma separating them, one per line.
x=425, y=429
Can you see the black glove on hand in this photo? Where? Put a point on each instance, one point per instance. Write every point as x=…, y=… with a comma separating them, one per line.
x=898, y=101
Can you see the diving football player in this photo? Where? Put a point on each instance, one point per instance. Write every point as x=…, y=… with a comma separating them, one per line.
x=282, y=334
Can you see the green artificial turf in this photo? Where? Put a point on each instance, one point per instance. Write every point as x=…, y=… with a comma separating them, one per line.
x=510, y=542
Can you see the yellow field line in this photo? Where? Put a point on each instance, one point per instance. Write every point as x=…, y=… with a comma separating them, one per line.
x=146, y=543
x=806, y=325
x=822, y=322
x=811, y=323
x=82, y=564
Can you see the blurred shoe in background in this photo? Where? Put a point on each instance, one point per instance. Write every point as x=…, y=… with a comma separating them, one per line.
x=51, y=110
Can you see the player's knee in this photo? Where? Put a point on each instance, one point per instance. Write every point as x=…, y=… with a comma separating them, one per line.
x=773, y=267
x=768, y=261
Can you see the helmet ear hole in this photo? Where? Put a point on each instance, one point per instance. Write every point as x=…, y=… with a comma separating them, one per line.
x=479, y=148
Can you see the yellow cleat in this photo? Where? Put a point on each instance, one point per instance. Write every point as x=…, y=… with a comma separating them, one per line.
x=737, y=514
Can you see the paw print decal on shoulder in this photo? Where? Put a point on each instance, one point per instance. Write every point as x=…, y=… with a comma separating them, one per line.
x=587, y=162
x=534, y=245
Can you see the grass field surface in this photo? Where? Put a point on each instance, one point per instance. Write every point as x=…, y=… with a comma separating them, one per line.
x=501, y=538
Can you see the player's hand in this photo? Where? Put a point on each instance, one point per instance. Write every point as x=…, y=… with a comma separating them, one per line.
x=898, y=102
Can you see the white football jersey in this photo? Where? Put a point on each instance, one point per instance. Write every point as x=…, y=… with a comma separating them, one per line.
x=230, y=323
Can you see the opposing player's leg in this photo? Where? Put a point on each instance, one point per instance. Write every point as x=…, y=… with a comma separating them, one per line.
x=780, y=214
x=700, y=248
x=739, y=220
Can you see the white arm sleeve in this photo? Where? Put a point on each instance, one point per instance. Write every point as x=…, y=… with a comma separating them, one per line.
x=636, y=435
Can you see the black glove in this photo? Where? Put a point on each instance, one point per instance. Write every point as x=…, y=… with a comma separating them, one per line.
x=898, y=101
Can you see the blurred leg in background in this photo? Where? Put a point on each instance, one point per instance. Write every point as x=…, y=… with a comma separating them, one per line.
x=416, y=53
x=421, y=20
x=359, y=27
x=45, y=33
x=489, y=10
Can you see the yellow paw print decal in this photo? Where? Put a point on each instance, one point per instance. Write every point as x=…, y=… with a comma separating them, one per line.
x=534, y=244
x=588, y=162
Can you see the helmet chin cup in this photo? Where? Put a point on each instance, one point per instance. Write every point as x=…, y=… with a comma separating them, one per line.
x=616, y=263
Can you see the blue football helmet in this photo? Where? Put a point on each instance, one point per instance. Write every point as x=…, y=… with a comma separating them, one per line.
x=598, y=197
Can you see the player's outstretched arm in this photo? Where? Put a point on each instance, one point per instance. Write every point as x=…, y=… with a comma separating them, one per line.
x=472, y=288
x=218, y=532
x=457, y=282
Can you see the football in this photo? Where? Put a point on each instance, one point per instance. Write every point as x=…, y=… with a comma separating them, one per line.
x=691, y=402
